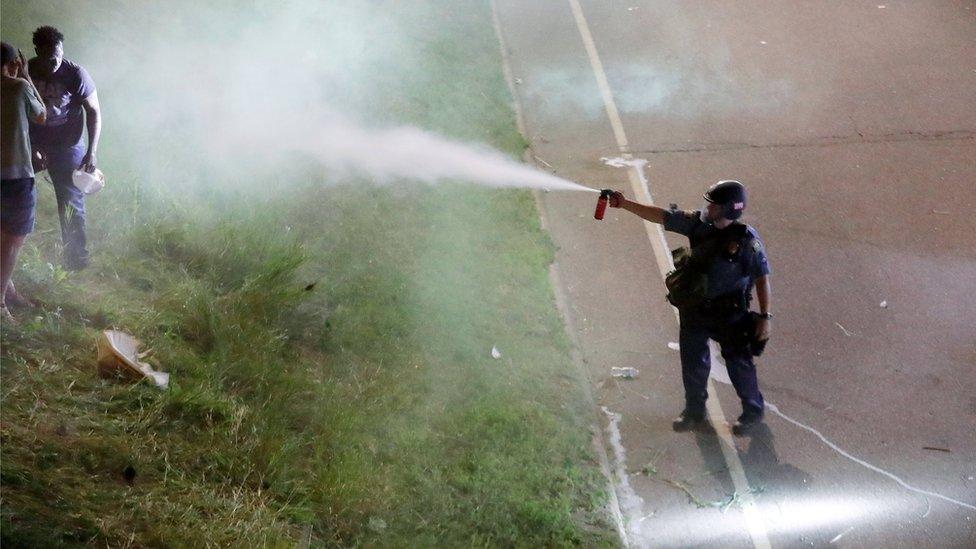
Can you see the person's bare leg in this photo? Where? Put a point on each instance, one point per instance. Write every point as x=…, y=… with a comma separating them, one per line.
x=15, y=299
x=10, y=246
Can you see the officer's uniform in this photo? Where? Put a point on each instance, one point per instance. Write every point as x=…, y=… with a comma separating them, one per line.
x=731, y=274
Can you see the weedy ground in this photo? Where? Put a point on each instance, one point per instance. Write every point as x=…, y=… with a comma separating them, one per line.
x=328, y=345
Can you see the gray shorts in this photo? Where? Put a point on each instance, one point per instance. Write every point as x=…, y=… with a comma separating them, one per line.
x=17, y=200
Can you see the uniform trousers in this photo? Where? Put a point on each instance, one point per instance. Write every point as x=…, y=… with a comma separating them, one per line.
x=697, y=327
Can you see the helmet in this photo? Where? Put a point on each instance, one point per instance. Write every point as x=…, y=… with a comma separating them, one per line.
x=729, y=194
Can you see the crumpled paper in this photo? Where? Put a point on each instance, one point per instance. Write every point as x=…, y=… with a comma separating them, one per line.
x=118, y=353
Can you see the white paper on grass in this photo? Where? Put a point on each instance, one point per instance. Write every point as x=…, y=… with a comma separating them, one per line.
x=120, y=350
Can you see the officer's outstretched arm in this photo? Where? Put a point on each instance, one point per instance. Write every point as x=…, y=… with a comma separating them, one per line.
x=644, y=211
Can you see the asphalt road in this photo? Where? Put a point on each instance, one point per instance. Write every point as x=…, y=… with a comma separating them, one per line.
x=853, y=124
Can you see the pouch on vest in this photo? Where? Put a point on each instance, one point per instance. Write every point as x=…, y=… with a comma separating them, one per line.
x=688, y=283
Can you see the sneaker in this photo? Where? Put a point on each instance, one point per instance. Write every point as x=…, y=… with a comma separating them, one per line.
x=746, y=422
x=687, y=421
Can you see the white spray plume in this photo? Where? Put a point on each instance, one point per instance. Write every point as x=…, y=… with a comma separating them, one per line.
x=281, y=78
x=389, y=154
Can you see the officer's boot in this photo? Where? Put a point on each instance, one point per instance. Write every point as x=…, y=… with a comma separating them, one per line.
x=748, y=420
x=688, y=420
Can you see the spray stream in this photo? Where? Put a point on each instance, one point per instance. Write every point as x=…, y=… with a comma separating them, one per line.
x=388, y=154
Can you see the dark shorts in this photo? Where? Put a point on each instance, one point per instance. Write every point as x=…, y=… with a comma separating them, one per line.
x=17, y=206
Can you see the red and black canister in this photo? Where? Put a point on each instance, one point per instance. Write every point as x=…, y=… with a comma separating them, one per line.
x=601, y=203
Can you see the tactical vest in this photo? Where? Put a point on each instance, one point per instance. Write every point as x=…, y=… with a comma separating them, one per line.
x=688, y=283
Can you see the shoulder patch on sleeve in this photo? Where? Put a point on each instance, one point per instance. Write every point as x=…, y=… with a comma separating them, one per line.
x=756, y=245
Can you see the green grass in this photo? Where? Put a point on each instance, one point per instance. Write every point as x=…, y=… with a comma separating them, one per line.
x=363, y=411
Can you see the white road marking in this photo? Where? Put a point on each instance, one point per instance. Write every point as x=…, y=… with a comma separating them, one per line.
x=865, y=464
x=630, y=503
x=754, y=521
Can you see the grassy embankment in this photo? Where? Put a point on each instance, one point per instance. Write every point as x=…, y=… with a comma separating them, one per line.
x=363, y=411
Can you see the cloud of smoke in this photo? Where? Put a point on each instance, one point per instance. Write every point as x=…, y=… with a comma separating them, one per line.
x=243, y=88
x=650, y=87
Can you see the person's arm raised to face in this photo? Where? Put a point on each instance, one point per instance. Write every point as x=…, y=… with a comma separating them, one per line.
x=644, y=211
x=40, y=116
x=93, y=121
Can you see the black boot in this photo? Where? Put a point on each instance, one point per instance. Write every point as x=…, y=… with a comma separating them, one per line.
x=688, y=420
x=746, y=422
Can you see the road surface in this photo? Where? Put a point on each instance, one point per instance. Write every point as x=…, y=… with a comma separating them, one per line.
x=853, y=125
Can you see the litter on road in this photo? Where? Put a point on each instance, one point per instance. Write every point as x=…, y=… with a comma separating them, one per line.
x=625, y=373
x=847, y=332
x=845, y=532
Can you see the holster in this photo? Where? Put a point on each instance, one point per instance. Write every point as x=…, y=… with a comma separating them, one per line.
x=756, y=346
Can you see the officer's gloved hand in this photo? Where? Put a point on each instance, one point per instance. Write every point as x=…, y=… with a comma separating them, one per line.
x=616, y=199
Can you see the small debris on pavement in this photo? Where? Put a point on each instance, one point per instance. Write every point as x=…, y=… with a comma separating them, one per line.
x=674, y=346
x=847, y=332
x=543, y=162
x=495, y=353
x=937, y=449
x=840, y=535
x=883, y=304
x=625, y=373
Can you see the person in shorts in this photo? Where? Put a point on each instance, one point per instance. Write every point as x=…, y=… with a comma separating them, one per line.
x=20, y=104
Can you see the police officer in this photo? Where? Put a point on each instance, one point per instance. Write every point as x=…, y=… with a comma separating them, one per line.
x=732, y=258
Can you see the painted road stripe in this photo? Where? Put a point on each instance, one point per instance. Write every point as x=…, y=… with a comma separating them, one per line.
x=754, y=521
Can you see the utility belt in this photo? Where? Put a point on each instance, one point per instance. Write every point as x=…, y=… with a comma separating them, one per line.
x=724, y=306
x=730, y=316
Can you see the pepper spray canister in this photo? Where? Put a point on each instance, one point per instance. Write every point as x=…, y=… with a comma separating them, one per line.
x=601, y=203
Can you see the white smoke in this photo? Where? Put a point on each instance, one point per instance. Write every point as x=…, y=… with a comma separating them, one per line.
x=244, y=96
x=386, y=155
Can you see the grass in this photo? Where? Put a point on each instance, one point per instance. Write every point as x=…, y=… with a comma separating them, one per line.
x=328, y=345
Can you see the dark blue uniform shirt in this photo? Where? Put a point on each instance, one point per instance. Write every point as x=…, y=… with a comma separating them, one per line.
x=726, y=274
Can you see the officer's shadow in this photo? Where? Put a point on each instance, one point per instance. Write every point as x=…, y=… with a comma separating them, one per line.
x=762, y=466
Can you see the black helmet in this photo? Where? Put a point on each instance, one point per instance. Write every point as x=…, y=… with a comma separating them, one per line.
x=730, y=194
